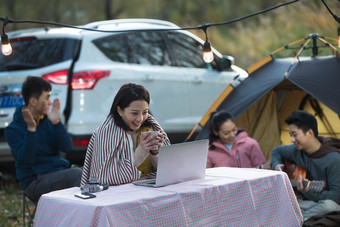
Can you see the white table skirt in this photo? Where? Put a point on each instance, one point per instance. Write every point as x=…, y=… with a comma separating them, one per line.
x=225, y=197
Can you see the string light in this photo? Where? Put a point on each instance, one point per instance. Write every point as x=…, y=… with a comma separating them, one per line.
x=208, y=55
x=206, y=46
x=6, y=47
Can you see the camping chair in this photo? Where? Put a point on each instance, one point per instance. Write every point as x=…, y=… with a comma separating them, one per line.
x=25, y=206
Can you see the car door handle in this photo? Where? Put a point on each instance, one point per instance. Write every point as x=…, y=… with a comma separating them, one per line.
x=148, y=78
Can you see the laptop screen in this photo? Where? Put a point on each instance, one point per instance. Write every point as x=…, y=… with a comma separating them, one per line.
x=178, y=163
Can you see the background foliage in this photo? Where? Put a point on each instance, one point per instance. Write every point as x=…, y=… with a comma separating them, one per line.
x=248, y=41
x=11, y=213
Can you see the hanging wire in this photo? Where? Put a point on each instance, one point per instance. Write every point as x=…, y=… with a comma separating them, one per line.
x=334, y=16
x=5, y=21
x=203, y=26
x=251, y=15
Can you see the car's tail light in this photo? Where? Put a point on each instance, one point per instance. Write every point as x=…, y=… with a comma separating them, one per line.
x=80, y=142
x=22, y=39
x=80, y=80
x=59, y=77
x=87, y=79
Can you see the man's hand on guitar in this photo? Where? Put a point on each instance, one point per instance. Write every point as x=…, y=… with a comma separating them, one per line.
x=279, y=167
x=302, y=185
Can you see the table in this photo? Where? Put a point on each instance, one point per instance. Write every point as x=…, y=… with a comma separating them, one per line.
x=225, y=197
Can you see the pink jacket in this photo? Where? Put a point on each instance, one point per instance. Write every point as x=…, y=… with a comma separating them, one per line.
x=246, y=153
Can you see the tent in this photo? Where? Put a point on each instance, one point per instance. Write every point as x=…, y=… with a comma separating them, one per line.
x=277, y=87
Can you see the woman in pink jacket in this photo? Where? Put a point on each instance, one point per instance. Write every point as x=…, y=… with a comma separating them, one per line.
x=230, y=146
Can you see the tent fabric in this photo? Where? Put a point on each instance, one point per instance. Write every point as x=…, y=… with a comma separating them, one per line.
x=254, y=87
x=328, y=120
x=263, y=97
x=268, y=117
x=262, y=119
x=320, y=77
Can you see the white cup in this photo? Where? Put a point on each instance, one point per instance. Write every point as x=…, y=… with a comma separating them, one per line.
x=153, y=133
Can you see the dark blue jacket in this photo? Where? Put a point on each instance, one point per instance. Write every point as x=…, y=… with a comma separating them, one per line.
x=38, y=152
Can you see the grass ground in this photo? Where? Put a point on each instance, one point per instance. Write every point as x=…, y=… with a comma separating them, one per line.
x=11, y=207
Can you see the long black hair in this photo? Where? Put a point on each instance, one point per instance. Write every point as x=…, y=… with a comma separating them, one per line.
x=215, y=122
x=128, y=93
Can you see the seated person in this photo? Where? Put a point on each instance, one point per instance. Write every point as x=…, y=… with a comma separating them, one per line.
x=230, y=146
x=118, y=152
x=319, y=156
x=36, y=137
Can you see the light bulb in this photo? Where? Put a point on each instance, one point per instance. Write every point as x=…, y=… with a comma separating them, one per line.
x=208, y=55
x=6, y=47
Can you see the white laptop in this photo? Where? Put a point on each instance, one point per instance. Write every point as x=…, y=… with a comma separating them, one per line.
x=178, y=163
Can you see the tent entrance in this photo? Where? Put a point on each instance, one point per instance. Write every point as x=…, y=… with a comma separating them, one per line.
x=264, y=120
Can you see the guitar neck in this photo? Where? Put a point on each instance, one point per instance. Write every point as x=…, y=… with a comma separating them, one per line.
x=305, y=183
x=316, y=186
x=295, y=172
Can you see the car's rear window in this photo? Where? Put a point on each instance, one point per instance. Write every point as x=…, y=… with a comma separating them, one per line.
x=32, y=53
x=147, y=48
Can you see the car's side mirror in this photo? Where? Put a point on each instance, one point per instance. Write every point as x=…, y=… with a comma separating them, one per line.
x=226, y=62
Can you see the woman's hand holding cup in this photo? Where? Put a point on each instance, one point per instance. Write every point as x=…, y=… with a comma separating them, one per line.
x=152, y=140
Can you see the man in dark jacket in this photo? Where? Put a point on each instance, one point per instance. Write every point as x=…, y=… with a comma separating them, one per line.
x=320, y=158
x=36, y=137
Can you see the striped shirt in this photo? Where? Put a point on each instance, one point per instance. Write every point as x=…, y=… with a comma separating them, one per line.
x=109, y=156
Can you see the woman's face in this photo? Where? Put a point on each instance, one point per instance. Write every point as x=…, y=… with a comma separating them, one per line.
x=227, y=132
x=135, y=114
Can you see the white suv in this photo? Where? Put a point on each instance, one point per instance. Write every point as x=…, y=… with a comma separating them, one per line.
x=86, y=69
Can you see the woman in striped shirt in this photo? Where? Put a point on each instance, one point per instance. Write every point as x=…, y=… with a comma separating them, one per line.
x=118, y=152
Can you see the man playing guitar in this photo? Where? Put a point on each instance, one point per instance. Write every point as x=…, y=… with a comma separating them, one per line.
x=319, y=156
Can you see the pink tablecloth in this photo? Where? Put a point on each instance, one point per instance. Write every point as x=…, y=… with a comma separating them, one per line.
x=225, y=197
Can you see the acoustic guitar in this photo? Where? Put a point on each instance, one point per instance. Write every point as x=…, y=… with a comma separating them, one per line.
x=294, y=172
